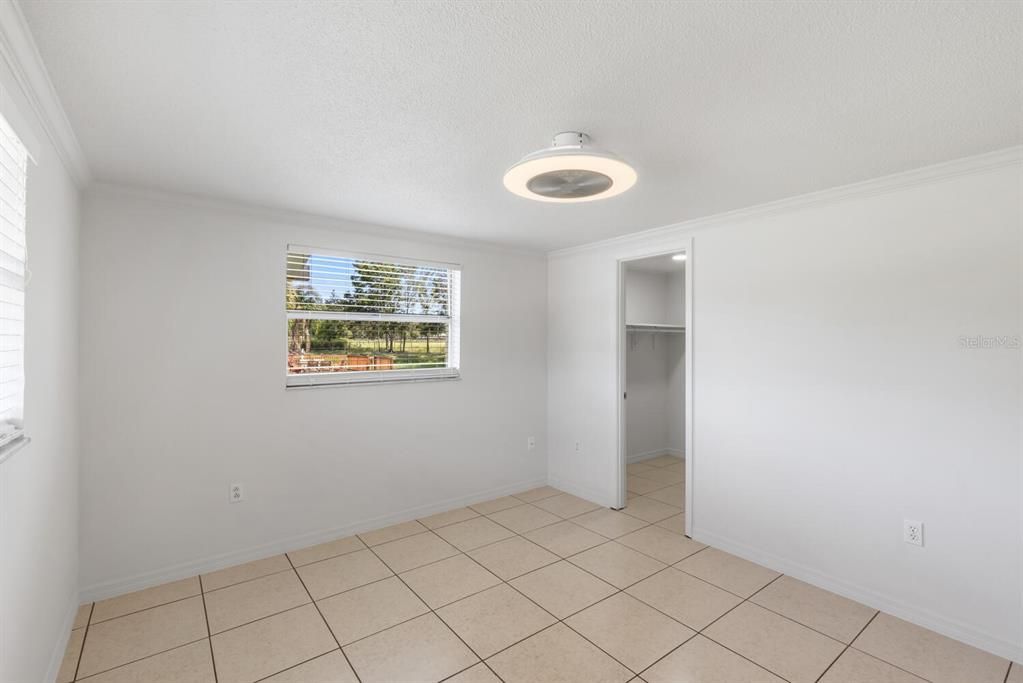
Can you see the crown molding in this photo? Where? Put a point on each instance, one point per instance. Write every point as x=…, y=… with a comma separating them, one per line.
x=19, y=50
x=275, y=215
x=980, y=163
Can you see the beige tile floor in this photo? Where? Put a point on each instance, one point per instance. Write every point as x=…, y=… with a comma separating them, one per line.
x=539, y=586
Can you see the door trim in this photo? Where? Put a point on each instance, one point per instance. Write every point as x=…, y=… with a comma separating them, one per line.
x=685, y=246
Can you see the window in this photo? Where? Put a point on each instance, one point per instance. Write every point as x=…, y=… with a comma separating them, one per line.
x=13, y=170
x=369, y=319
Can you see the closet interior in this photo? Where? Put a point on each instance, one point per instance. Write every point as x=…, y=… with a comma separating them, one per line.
x=655, y=338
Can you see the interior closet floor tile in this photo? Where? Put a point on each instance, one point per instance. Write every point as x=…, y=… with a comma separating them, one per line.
x=673, y=495
x=675, y=523
x=588, y=595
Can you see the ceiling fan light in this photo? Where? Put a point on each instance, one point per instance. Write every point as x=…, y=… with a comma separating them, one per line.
x=570, y=170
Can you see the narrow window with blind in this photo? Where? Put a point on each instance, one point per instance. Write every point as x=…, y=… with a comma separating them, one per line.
x=358, y=319
x=13, y=172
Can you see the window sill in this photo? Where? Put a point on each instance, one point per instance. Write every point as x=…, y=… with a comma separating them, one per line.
x=7, y=451
x=350, y=379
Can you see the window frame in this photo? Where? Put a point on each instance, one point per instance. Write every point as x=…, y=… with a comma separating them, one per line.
x=451, y=371
x=15, y=438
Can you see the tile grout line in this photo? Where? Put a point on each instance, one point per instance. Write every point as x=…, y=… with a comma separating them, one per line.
x=280, y=611
x=700, y=632
x=209, y=634
x=885, y=661
x=514, y=588
x=467, y=551
x=347, y=590
x=483, y=590
x=265, y=616
x=502, y=580
x=202, y=591
x=393, y=575
x=294, y=666
x=847, y=645
x=146, y=609
x=563, y=621
x=390, y=540
x=293, y=568
x=806, y=626
x=433, y=612
x=140, y=659
x=660, y=484
x=429, y=608
x=624, y=590
x=254, y=578
x=517, y=534
x=514, y=533
x=324, y=620
x=85, y=636
x=553, y=616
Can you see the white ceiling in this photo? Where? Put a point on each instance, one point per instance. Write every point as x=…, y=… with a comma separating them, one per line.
x=408, y=114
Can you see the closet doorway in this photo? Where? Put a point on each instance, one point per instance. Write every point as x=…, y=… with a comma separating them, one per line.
x=655, y=388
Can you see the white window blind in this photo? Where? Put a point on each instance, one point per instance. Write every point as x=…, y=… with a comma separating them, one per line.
x=13, y=172
x=369, y=319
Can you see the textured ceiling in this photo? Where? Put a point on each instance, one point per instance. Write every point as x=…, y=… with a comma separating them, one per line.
x=408, y=114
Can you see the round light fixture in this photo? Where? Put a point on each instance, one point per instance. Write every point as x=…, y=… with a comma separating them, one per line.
x=570, y=170
x=678, y=257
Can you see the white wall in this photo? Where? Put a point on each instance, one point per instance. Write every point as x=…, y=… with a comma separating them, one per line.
x=832, y=396
x=647, y=299
x=183, y=327
x=39, y=483
x=647, y=430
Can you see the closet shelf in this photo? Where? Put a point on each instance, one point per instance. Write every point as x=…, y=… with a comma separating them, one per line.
x=654, y=327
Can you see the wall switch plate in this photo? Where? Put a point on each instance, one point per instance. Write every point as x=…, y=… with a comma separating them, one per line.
x=236, y=493
x=913, y=532
x=531, y=444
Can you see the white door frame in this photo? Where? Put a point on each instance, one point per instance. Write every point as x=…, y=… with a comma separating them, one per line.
x=685, y=246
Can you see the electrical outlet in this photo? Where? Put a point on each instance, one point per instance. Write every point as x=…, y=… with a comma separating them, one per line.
x=236, y=493
x=913, y=532
x=531, y=444
x=577, y=445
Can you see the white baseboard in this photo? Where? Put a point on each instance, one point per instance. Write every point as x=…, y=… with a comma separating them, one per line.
x=650, y=455
x=592, y=495
x=57, y=655
x=119, y=586
x=886, y=603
